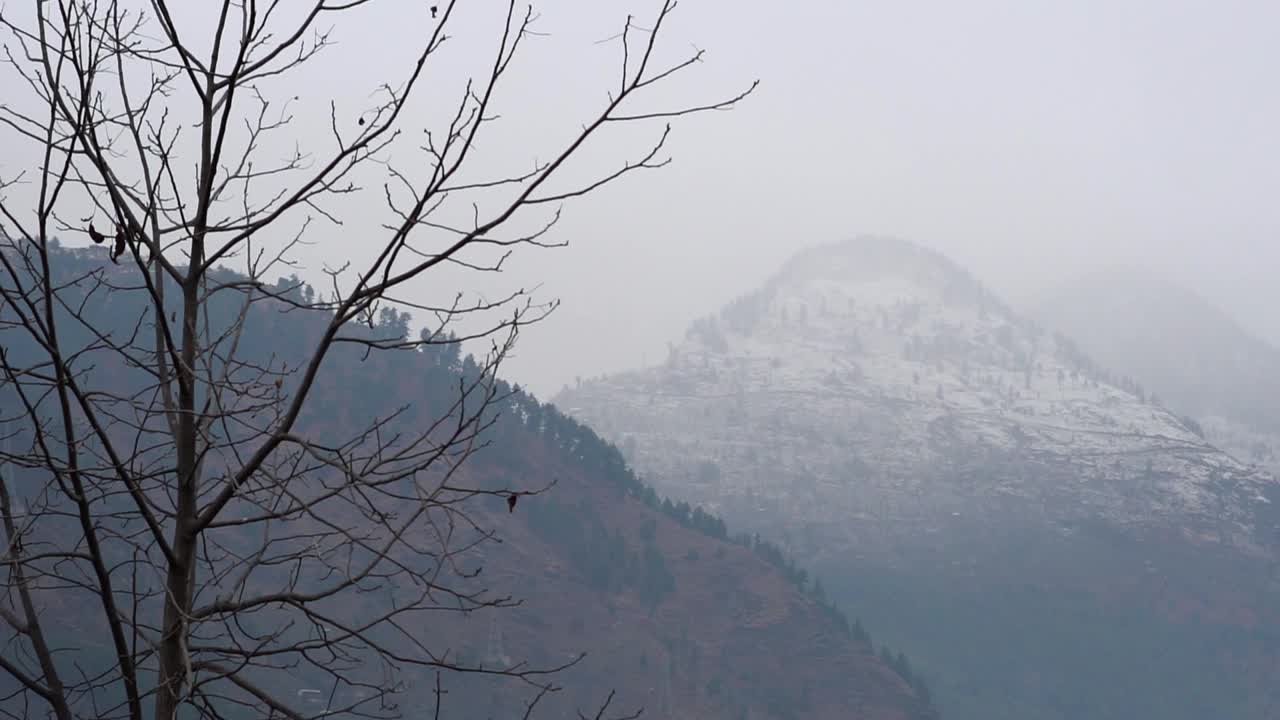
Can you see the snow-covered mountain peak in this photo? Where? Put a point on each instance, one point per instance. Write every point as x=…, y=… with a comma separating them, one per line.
x=870, y=270
x=866, y=259
x=872, y=371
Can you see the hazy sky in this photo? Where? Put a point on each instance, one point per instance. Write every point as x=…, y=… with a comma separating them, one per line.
x=1027, y=140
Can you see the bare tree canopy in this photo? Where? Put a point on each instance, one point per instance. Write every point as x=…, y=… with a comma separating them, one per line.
x=184, y=533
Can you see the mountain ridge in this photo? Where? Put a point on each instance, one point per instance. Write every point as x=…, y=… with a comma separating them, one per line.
x=933, y=343
x=878, y=412
x=1199, y=358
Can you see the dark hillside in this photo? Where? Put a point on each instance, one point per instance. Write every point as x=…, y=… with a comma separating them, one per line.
x=672, y=612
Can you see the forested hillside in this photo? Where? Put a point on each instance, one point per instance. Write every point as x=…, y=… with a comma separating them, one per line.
x=673, y=611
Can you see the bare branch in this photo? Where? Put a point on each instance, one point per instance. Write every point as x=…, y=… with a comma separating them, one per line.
x=198, y=512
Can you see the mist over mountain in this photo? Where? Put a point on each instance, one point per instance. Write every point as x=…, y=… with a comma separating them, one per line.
x=1198, y=358
x=1042, y=531
x=881, y=358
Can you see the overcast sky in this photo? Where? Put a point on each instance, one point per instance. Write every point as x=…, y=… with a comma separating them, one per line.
x=1027, y=140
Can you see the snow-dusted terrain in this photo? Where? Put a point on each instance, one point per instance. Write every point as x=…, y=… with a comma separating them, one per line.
x=1199, y=358
x=876, y=392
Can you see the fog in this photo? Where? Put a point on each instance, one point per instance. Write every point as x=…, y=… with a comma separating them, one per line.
x=1028, y=141
x=1047, y=536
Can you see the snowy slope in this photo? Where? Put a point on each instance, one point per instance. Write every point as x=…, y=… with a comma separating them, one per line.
x=875, y=380
x=1197, y=357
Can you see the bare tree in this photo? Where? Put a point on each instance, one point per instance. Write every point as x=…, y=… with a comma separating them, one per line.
x=183, y=531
